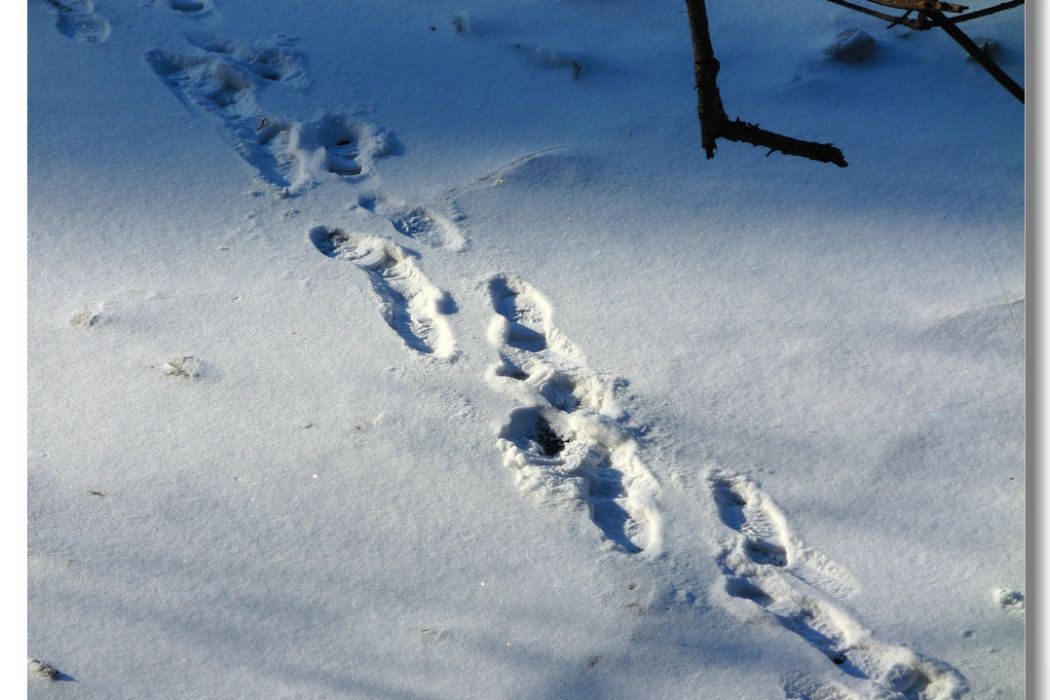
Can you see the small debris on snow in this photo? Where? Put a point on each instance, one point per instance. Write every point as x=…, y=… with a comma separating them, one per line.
x=85, y=318
x=1008, y=599
x=852, y=46
x=186, y=367
x=43, y=670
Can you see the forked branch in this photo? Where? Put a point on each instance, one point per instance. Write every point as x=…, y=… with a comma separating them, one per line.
x=715, y=124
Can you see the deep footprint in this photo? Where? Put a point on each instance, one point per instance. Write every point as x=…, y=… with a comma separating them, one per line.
x=563, y=463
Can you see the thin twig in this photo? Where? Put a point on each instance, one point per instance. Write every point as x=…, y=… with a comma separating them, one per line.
x=978, y=55
x=986, y=11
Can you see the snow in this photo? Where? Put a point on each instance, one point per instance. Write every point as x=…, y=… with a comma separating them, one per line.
x=414, y=350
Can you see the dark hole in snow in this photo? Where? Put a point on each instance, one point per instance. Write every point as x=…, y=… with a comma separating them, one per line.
x=546, y=438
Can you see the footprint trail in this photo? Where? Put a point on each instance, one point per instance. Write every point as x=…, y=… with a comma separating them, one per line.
x=223, y=80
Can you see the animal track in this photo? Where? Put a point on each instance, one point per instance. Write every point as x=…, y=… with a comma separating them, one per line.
x=410, y=303
x=764, y=564
x=567, y=444
x=567, y=459
x=78, y=20
x=223, y=80
x=418, y=223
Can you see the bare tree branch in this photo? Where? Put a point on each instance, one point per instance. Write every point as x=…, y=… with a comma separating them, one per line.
x=921, y=5
x=715, y=124
x=919, y=24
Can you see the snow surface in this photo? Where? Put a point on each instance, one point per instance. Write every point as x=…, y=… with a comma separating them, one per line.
x=387, y=349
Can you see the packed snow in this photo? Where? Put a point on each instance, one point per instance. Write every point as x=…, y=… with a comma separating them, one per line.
x=414, y=350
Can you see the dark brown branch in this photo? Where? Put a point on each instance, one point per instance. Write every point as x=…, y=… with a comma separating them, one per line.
x=921, y=5
x=978, y=55
x=705, y=66
x=986, y=11
x=738, y=130
x=715, y=124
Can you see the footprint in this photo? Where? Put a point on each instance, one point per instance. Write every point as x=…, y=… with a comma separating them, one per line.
x=741, y=506
x=223, y=80
x=560, y=460
x=526, y=312
x=533, y=351
x=765, y=537
x=410, y=303
x=221, y=89
x=78, y=20
x=272, y=61
x=761, y=564
x=416, y=222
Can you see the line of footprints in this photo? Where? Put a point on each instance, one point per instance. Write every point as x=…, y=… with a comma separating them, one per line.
x=569, y=442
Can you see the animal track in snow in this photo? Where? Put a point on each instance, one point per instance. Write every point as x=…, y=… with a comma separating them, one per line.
x=410, y=303
x=568, y=444
x=764, y=564
x=416, y=222
x=78, y=20
x=291, y=156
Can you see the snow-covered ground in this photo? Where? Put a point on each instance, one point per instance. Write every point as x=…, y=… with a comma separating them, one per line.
x=402, y=349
